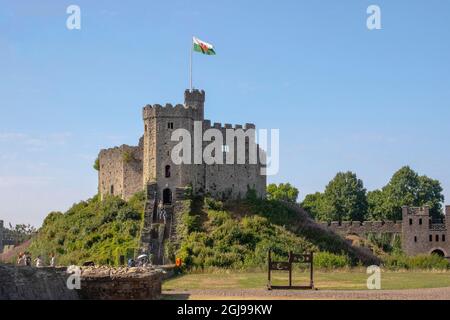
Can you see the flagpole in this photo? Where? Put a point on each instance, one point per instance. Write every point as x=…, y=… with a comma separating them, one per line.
x=190, y=67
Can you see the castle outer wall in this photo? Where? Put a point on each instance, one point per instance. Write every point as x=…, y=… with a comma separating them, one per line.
x=419, y=234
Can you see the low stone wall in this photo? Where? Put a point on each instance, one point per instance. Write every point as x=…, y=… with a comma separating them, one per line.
x=27, y=283
x=363, y=228
x=97, y=283
x=102, y=283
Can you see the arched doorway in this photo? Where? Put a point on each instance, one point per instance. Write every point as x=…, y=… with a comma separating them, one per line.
x=167, y=196
x=438, y=252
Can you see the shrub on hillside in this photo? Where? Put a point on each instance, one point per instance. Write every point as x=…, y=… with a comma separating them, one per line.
x=93, y=230
x=328, y=260
x=416, y=262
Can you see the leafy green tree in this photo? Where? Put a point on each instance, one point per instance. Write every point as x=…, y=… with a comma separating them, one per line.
x=346, y=197
x=375, y=200
x=316, y=205
x=283, y=191
x=406, y=188
x=96, y=165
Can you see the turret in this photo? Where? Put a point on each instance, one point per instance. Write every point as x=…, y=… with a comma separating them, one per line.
x=195, y=99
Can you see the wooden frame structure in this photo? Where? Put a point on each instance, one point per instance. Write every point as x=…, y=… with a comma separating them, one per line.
x=287, y=266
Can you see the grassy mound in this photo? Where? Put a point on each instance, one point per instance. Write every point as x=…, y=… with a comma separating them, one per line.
x=239, y=234
x=92, y=230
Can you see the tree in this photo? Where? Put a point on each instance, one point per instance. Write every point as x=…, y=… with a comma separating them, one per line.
x=345, y=196
x=406, y=188
x=283, y=191
x=316, y=205
x=376, y=211
x=96, y=165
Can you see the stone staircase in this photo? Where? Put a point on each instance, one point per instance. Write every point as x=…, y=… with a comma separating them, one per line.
x=155, y=231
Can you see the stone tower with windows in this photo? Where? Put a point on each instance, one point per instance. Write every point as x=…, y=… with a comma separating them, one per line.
x=125, y=170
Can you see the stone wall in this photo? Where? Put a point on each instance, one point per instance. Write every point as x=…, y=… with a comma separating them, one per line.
x=420, y=235
x=232, y=181
x=120, y=171
x=27, y=283
x=97, y=283
x=103, y=283
x=363, y=228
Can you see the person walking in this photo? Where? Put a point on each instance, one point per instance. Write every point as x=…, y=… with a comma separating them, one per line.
x=27, y=258
x=39, y=262
x=164, y=216
x=21, y=260
x=52, y=260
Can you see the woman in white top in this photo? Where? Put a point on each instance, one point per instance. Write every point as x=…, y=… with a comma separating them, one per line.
x=52, y=261
x=38, y=261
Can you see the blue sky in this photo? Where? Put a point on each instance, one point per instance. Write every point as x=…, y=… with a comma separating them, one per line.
x=343, y=97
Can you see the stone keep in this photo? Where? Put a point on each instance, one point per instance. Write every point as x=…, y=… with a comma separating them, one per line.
x=125, y=170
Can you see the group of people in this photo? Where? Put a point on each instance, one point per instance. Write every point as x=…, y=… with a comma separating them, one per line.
x=25, y=259
x=162, y=215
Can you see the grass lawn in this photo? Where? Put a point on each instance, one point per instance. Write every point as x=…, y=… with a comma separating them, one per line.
x=324, y=280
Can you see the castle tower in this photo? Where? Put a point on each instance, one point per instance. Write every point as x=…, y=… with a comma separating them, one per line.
x=159, y=125
x=196, y=100
x=415, y=230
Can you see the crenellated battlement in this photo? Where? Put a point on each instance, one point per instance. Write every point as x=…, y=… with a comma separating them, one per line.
x=362, y=228
x=120, y=174
x=168, y=111
x=217, y=125
x=194, y=96
x=416, y=211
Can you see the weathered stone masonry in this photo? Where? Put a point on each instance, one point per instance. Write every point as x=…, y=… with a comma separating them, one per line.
x=97, y=283
x=151, y=159
x=419, y=234
x=125, y=170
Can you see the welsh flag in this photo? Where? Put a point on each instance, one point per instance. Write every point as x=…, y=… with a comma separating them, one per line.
x=203, y=47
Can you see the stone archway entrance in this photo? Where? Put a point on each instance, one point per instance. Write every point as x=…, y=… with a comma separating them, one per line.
x=438, y=252
x=167, y=196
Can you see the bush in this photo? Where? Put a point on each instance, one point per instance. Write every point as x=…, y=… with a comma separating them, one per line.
x=422, y=261
x=94, y=230
x=225, y=241
x=328, y=260
x=212, y=204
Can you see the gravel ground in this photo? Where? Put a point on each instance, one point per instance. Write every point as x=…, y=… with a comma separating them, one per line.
x=261, y=294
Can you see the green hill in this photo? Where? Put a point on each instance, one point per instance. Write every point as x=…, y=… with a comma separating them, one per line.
x=91, y=230
x=209, y=234
x=239, y=234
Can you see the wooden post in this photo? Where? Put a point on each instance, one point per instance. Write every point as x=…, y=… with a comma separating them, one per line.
x=311, y=282
x=269, y=259
x=290, y=268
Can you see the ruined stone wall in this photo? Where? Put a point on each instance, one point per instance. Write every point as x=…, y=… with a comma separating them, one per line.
x=27, y=283
x=97, y=283
x=363, y=228
x=132, y=171
x=232, y=181
x=104, y=283
x=120, y=171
